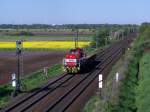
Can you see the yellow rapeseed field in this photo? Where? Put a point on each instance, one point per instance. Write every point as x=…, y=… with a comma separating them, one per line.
x=44, y=44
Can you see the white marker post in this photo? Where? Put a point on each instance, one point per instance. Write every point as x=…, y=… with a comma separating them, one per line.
x=117, y=77
x=46, y=71
x=13, y=80
x=100, y=84
x=100, y=81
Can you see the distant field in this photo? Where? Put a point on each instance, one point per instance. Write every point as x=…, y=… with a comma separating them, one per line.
x=44, y=38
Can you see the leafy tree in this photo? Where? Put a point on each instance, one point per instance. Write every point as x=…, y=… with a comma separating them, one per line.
x=144, y=26
x=101, y=37
x=145, y=30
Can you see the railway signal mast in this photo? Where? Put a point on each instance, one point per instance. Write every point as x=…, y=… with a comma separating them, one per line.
x=19, y=53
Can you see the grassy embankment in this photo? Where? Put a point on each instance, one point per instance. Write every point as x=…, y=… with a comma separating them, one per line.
x=30, y=82
x=143, y=89
x=129, y=100
x=110, y=91
x=129, y=96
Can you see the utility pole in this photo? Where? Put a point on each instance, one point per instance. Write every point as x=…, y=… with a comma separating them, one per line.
x=96, y=42
x=76, y=38
x=97, y=39
x=19, y=53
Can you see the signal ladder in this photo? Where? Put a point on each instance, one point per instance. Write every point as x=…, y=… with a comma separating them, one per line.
x=21, y=65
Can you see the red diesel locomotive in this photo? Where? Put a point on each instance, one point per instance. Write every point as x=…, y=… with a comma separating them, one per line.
x=74, y=60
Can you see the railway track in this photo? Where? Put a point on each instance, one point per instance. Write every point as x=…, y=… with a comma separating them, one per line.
x=79, y=88
x=36, y=92
x=57, y=96
x=63, y=102
x=33, y=98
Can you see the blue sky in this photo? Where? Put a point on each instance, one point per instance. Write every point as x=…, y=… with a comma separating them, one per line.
x=74, y=11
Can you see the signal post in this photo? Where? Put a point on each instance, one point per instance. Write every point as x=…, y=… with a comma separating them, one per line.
x=18, y=81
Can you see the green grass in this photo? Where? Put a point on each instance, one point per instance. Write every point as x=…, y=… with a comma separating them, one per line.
x=127, y=95
x=93, y=104
x=4, y=100
x=5, y=94
x=29, y=82
x=143, y=90
x=39, y=78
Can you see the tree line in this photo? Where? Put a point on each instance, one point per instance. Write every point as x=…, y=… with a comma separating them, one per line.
x=64, y=26
x=104, y=35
